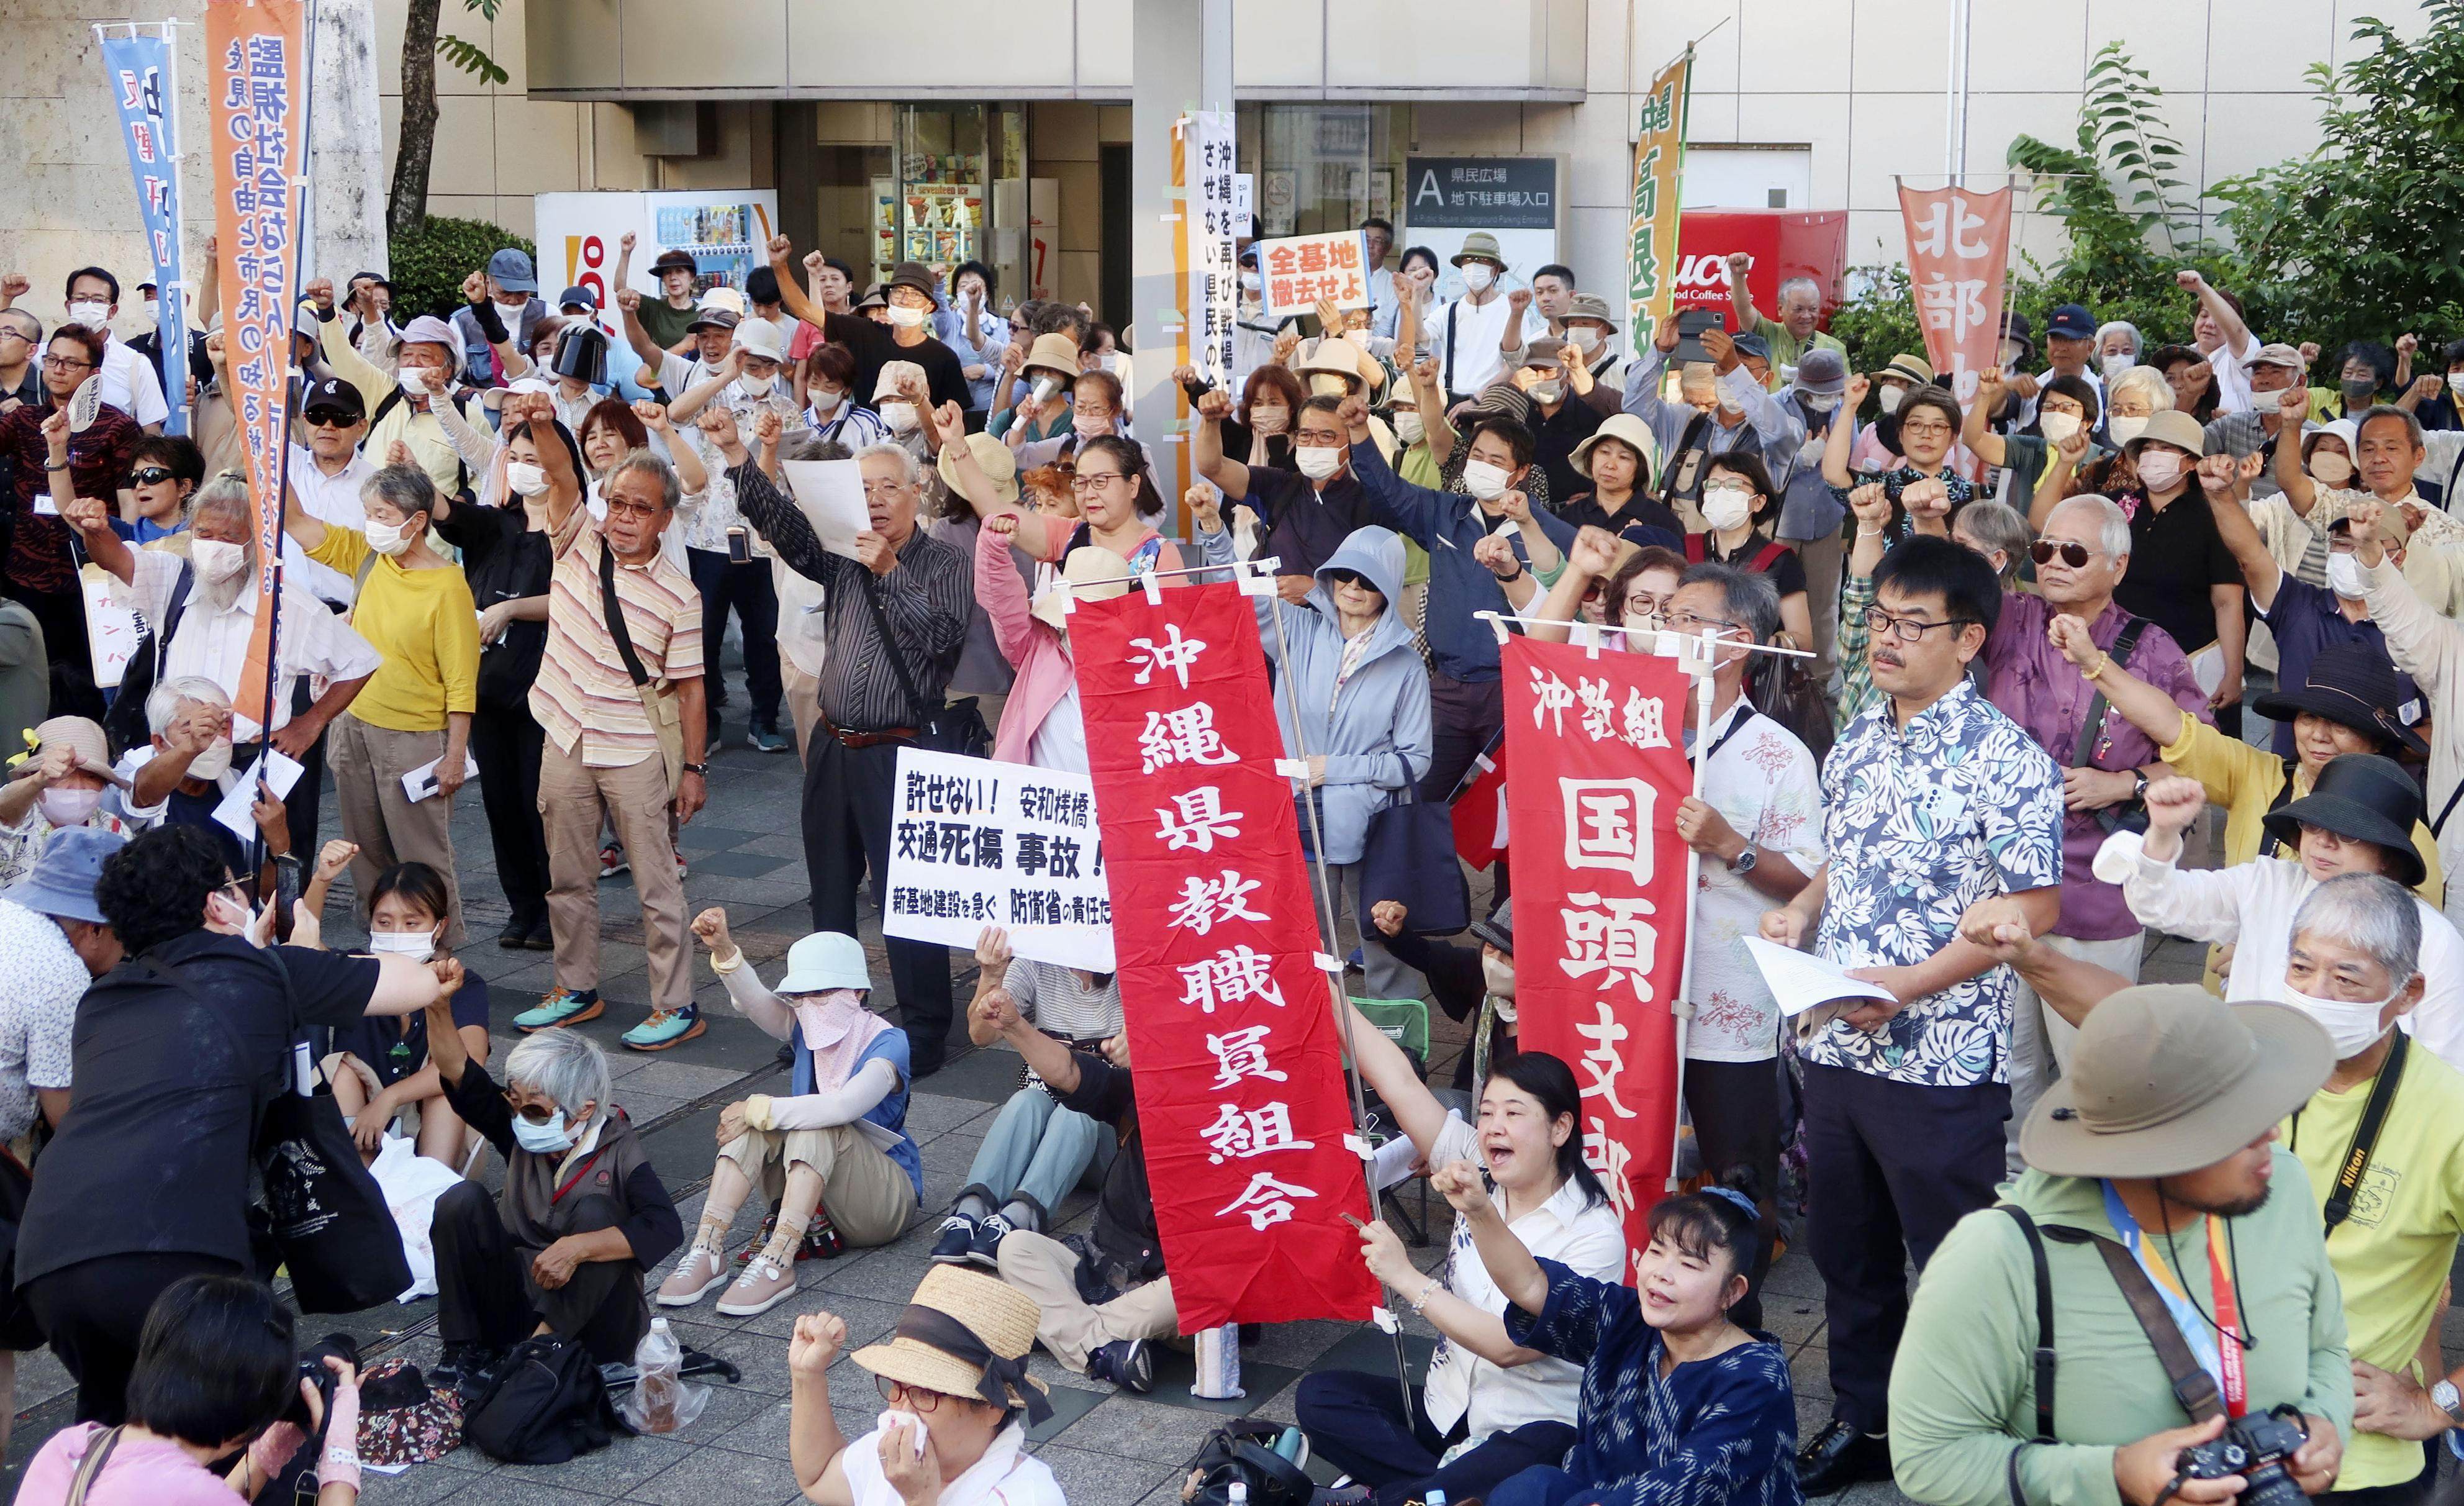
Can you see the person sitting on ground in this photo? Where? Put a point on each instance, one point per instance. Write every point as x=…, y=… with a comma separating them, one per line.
x=1036, y=1151
x=1491, y=1407
x=818, y=1149
x=1677, y=1403
x=380, y=1069
x=954, y=1375
x=536, y=1260
x=190, y=772
x=66, y=782
x=217, y=1372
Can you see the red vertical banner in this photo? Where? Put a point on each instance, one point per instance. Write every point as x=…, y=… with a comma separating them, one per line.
x=1595, y=767
x=1233, y=1045
x=1959, y=246
x=256, y=65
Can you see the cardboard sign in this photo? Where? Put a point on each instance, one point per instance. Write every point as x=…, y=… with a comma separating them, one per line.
x=975, y=843
x=1301, y=270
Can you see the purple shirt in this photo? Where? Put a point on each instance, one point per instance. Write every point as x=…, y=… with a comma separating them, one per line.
x=2029, y=681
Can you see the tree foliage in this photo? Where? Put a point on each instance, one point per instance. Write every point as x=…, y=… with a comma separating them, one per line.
x=416, y=147
x=429, y=264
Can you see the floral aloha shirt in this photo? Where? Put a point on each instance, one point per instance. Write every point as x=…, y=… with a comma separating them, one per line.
x=1920, y=823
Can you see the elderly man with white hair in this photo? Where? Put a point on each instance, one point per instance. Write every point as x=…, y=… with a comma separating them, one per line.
x=2106, y=762
x=405, y=404
x=563, y=1246
x=1795, y=330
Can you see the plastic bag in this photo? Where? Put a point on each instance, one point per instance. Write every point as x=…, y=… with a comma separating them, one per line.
x=661, y=1402
x=411, y=1184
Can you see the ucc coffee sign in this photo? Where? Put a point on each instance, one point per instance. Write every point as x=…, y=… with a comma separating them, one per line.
x=1783, y=243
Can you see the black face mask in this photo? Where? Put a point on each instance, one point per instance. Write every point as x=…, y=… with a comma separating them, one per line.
x=2359, y=392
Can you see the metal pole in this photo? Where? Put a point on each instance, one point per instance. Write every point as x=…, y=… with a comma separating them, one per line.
x=1682, y=1010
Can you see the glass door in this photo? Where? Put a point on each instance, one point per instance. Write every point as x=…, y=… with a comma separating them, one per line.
x=937, y=205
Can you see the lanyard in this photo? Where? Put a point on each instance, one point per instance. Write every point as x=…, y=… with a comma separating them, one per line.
x=2223, y=1360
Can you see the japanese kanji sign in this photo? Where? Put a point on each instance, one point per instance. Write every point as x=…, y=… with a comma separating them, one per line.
x=138, y=67
x=1232, y=1043
x=1212, y=220
x=973, y=843
x=1595, y=765
x=1658, y=171
x=1959, y=246
x=258, y=71
x=1302, y=269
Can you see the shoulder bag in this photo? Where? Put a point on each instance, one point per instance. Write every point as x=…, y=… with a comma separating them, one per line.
x=1408, y=855
x=658, y=698
x=957, y=727
x=2131, y=814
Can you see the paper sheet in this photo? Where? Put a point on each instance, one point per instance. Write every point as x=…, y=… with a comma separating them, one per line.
x=1393, y=1163
x=1811, y=991
x=830, y=494
x=237, y=811
x=421, y=782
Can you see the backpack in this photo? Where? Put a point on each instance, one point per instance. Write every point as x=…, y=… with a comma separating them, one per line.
x=1243, y=1449
x=547, y=1406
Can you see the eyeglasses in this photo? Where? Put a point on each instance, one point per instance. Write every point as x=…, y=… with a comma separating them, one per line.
x=327, y=418
x=917, y=1399
x=64, y=363
x=151, y=476
x=2073, y=555
x=1687, y=621
x=1907, y=629
x=1933, y=427
x=21, y=337
x=1087, y=482
x=873, y=489
x=1644, y=604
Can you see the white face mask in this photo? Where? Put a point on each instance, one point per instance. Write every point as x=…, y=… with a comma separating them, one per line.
x=1888, y=398
x=216, y=561
x=213, y=763
x=2161, y=468
x=2330, y=467
x=1548, y=391
x=1498, y=974
x=388, y=539
x=899, y=416
x=1485, y=480
x=2126, y=430
x=2353, y=1028
x=525, y=479
x=87, y=311
x=751, y=386
x=417, y=945
x=1253, y=280
x=1818, y=402
x=1726, y=507
x=1477, y=275
x=906, y=318
x=2118, y=363
x=1409, y=428
x=2344, y=576
x=69, y=807
x=824, y=404
x=2058, y=426
x=1318, y=462
x=1587, y=336
x=551, y=1139
x=413, y=380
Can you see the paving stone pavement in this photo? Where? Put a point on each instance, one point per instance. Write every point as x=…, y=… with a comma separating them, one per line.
x=1118, y=1450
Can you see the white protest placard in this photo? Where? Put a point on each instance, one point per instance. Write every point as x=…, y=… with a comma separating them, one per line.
x=238, y=808
x=830, y=494
x=975, y=843
x=111, y=629
x=1300, y=270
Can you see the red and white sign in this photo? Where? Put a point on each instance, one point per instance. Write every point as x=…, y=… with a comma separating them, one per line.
x=1595, y=765
x=1301, y=270
x=1959, y=246
x=1783, y=243
x=1233, y=1044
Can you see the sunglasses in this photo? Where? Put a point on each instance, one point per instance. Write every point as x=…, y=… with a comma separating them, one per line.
x=2075, y=554
x=328, y=418
x=1349, y=578
x=151, y=476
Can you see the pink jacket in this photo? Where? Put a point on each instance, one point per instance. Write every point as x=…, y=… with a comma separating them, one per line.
x=1032, y=648
x=151, y=1473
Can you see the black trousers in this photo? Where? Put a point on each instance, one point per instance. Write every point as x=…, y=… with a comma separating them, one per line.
x=749, y=589
x=506, y=741
x=1464, y=714
x=485, y=1294
x=93, y=1312
x=847, y=797
x=1356, y=1420
x=1735, y=1109
x=1891, y=1166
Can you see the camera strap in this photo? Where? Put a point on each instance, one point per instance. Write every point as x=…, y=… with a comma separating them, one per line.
x=2194, y=1385
x=2356, y=1163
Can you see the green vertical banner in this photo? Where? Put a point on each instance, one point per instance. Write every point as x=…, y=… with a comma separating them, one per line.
x=1658, y=171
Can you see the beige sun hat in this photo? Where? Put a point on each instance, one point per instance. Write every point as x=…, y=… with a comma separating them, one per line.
x=80, y=733
x=1092, y=573
x=964, y=1334
x=1632, y=431
x=892, y=374
x=1056, y=353
x=997, y=460
x=1335, y=356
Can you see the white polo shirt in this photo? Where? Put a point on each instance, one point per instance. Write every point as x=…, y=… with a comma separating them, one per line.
x=129, y=383
x=214, y=643
x=1764, y=784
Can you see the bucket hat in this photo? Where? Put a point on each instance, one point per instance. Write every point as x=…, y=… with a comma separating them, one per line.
x=966, y=1333
x=997, y=460
x=1634, y=432
x=2362, y=797
x=2171, y=427
x=2355, y=686
x=1497, y=928
x=1821, y=370
x=61, y=882
x=1482, y=244
x=1056, y=353
x=823, y=961
x=1591, y=305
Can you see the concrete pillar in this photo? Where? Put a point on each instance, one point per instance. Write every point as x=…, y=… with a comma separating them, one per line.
x=346, y=162
x=1181, y=59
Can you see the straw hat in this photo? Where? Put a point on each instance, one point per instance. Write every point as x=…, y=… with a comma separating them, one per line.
x=965, y=1334
x=1335, y=356
x=997, y=460
x=82, y=735
x=1091, y=573
x=1907, y=367
x=1632, y=431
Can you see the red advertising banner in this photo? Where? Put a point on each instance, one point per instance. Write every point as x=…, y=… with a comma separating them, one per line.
x=1595, y=767
x=1783, y=243
x=1959, y=246
x=1234, y=1049
x=257, y=63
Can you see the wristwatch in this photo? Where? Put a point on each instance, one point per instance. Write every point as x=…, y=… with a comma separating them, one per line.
x=2139, y=785
x=1744, y=862
x=2445, y=1397
x=702, y=769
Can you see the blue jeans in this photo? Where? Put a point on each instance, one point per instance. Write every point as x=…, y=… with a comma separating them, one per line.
x=1036, y=1150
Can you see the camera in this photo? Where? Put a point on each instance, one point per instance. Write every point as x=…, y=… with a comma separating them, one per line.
x=313, y=1369
x=2257, y=1448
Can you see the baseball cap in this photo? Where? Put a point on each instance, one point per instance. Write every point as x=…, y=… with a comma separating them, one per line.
x=333, y=395
x=2279, y=355
x=707, y=317
x=2071, y=322
x=513, y=271
x=578, y=293
x=1754, y=346
x=1546, y=351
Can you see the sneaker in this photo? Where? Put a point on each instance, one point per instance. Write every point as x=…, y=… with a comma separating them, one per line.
x=957, y=1239
x=1126, y=1364
x=663, y=1030
x=766, y=740
x=466, y=1367
x=560, y=1006
x=983, y=1245
x=694, y=1278
x=763, y=1286
x=612, y=860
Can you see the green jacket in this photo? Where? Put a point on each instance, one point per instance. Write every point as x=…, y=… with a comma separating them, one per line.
x=1963, y=1390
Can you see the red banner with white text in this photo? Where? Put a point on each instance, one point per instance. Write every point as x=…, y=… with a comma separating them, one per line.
x=1595, y=767
x=1959, y=246
x=1233, y=1044
x=256, y=65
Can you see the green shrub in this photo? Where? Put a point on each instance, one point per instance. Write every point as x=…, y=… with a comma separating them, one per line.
x=429, y=267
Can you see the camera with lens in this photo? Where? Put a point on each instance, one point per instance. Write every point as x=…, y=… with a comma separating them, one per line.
x=2259, y=1450
x=314, y=1370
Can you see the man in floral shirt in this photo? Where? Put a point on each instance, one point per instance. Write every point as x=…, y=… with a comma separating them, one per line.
x=1934, y=800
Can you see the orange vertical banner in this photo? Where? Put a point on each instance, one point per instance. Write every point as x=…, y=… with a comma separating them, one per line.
x=1959, y=247
x=256, y=65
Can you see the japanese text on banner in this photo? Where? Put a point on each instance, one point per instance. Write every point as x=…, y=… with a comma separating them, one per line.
x=1301, y=270
x=1659, y=172
x=1959, y=246
x=1210, y=226
x=973, y=843
x=1595, y=765
x=1233, y=1045
x=257, y=63
x=140, y=68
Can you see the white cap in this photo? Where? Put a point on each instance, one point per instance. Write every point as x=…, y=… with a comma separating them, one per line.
x=825, y=960
x=759, y=337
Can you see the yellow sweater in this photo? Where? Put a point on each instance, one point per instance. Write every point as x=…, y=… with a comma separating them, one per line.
x=424, y=624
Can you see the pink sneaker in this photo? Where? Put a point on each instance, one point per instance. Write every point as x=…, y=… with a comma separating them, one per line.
x=762, y=1286
x=695, y=1277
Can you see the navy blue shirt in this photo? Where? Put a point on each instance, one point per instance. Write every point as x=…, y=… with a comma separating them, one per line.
x=2304, y=619
x=394, y=1052
x=1449, y=524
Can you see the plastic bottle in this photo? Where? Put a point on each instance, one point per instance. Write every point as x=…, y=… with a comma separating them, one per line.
x=1436, y=1498
x=658, y=1358
x=1238, y=1494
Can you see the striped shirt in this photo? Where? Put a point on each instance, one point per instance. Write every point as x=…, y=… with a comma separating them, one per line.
x=583, y=691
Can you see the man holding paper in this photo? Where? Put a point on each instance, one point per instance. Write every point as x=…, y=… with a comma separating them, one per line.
x=1934, y=800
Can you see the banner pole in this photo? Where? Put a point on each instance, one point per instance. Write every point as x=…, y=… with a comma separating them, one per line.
x=1334, y=977
x=1682, y=1011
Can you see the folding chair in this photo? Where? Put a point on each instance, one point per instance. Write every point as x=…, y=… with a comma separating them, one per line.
x=1406, y=1023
